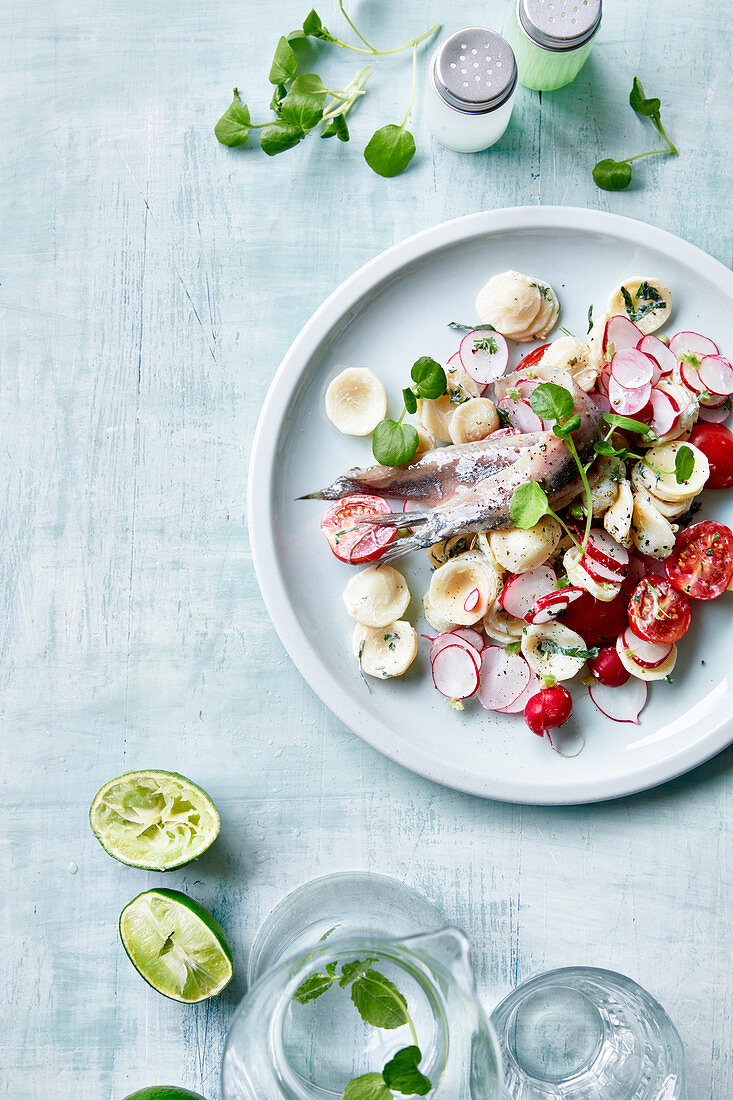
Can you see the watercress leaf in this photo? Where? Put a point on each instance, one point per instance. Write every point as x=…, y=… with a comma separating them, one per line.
x=284, y=63
x=311, y=987
x=612, y=175
x=528, y=505
x=303, y=111
x=313, y=27
x=378, y=1000
x=394, y=444
x=352, y=970
x=370, y=1086
x=604, y=447
x=562, y=431
x=279, y=136
x=429, y=378
x=626, y=422
x=410, y=401
x=390, y=150
x=649, y=108
x=470, y=328
x=684, y=464
x=551, y=402
x=232, y=129
x=549, y=645
x=402, y=1075
x=590, y=318
x=336, y=127
x=308, y=84
x=278, y=96
x=297, y=35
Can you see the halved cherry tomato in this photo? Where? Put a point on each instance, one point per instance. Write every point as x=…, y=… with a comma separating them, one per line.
x=658, y=613
x=596, y=622
x=716, y=443
x=532, y=358
x=701, y=564
x=349, y=537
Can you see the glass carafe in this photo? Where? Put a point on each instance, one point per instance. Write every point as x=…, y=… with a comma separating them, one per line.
x=349, y=972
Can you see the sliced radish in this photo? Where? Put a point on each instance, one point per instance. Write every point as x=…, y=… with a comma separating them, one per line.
x=621, y=332
x=646, y=654
x=449, y=639
x=665, y=413
x=632, y=368
x=522, y=590
x=716, y=374
x=600, y=400
x=504, y=677
x=691, y=378
x=692, y=343
x=652, y=345
x=548, y=607
x=527, y=385
x=483, y=364
x=601, y=573
x=622, y=704
x=466, y=634
x=524, y=417
x=713, y=401
x=521, y=701
x=503, y=433
x=715, y=416
x=604, y=548
x=472, y=600
x=628, y=402
x=454, y=673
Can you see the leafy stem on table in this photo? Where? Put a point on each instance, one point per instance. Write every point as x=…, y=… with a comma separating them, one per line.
x=395, y=443
x=298, y=101
x=379, y=1003
x=615, y=175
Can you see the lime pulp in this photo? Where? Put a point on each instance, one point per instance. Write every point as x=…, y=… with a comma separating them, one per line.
x=153, y=819
x=176, y=945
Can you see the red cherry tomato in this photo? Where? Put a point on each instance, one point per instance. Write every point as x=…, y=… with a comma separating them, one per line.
x=658, y=613
x=607, y=669
x=597, y=622
x=716, y=443
x=532, y=358
x=550, y=707
x=701, y=564
x=349, y=537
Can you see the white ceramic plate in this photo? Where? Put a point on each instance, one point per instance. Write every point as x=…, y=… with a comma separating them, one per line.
x=393, y=310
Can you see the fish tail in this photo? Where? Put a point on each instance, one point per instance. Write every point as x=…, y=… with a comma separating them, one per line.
x=405, y=545
x=397, y=519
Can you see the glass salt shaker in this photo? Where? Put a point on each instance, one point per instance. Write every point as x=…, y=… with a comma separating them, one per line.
x=552, y=39
x=470, y=90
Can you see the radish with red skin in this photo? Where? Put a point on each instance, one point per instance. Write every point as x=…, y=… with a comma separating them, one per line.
x=522, y=590
x=449, y=639
x=621, y=704
x=632, y=368
x=481, y=364
x=647, y=654
x=627, y=402
x=549, y=708
x=621, y=332
x=521, y=701
x=472, y=600
x=547, y=607
x=716, y=374
x=600, y=400
x=454, y=673
x=607, y=669
x=523, y=416
x=715, y=416
x=665, y=414
x=658, y=350
x=691, y=378
x=692, y=343
x=600, y=573
x=713, y=400
x=504, y=676
x=605, y=549
x=467, y=634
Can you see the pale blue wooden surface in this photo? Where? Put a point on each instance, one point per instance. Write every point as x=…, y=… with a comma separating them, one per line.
x=151, y=281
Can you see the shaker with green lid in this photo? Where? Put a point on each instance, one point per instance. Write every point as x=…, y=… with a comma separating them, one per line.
x=551, y=39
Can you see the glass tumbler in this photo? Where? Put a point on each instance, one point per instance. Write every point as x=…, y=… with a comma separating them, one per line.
x=354, y=977
x=585, y=1034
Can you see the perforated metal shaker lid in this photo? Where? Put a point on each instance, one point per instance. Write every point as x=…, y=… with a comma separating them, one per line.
x=474, y=70
x=560, y=24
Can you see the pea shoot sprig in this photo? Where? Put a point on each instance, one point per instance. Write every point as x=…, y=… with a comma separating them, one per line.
x=684, y=460
x=395, y=443
x=615, y=175
x=299, y=101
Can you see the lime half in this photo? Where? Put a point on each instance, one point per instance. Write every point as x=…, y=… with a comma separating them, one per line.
x=155, y=820
x=165, y=1092
x=175, y=945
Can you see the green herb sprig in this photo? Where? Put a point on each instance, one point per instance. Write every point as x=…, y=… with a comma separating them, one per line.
x=395, y=443
x=615, y=175
x=299, y=101
x=379, y=1003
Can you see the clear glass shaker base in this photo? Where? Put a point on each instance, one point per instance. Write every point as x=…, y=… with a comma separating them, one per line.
x=586, y=1034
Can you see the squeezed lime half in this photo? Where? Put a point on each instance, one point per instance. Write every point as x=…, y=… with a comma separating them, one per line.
x=154, y=820
x=175, y=945
x=165, y=1092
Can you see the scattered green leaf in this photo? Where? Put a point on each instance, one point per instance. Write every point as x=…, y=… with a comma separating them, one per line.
x=684, y=464
x=301, y=111
x=551, y=402
x=389, y=150
x=429, y=378
x=284, y=63
x=612, y=175
x=402, y=1075
x=337, y=127
x=370, y=1086
x=615, y=175
x=528, y=505
x=378, y=1001
x=312, y=987
x=394, y=444
x=232, y=129
x=590, y=318
x=626, y=422
x=276, y=137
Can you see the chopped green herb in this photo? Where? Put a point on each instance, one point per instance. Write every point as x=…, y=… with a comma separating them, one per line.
x=684, y=464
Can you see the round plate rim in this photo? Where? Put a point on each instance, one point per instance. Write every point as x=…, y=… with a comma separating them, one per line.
x=259, y=497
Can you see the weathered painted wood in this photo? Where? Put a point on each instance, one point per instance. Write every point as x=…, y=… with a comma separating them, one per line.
x=151, y=281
